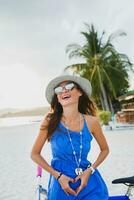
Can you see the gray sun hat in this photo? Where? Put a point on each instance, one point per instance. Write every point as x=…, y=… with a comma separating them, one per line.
x=82, y=82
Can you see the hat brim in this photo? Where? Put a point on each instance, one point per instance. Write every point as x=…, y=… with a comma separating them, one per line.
x=82, y=82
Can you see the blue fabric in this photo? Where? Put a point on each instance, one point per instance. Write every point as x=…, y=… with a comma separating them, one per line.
x=119, y=198
x=63, y=161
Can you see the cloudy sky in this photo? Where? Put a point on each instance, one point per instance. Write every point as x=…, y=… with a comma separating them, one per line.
x=35, y=33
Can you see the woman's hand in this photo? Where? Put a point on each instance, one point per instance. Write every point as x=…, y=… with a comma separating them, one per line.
x=64, y=182
x=84, y=179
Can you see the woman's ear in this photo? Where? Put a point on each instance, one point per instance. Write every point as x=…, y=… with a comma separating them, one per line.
x=80, y=93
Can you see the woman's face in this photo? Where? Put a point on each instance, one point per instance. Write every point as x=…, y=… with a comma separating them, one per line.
x=67, y=93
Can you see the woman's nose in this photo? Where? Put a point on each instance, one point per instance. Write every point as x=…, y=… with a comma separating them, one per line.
x=64, y=89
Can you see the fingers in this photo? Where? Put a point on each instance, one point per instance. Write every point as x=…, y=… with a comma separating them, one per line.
x=77, y=178
x=71, y=191
x=79, y=189
x=72, y=180
x=67, y=189
x=66, y=193
x=82, y=185
x=64, y=181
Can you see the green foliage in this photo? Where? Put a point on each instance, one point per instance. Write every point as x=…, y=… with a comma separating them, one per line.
x=103, y=65
x=104, y=116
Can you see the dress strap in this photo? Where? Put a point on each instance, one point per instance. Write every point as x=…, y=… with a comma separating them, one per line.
x=85, y=124
x=84, y=118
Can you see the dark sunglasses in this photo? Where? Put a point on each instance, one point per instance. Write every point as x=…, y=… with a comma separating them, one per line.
x=60, y=89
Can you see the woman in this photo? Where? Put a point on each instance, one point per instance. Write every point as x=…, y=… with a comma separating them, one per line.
x=70, y=127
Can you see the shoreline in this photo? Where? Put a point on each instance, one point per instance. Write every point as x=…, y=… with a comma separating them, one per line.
x=18, y=121
x=23, y=112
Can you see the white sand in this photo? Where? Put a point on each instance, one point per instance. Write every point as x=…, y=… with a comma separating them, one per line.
x=18, y=172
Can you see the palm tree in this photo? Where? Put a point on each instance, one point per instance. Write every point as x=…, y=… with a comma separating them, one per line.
x=104, y=66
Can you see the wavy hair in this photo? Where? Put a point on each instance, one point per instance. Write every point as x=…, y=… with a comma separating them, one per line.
x=85, y=106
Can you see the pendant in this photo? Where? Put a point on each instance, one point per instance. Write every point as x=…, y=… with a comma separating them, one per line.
x=78, y=171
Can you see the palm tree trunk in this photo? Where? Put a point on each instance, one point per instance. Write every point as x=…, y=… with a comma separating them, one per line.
x=110, y=104
x=102, y=102
x=105, y=99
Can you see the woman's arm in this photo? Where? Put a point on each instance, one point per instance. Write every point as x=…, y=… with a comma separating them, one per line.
x=96, y=130
x=37, y=158
x=37, y=147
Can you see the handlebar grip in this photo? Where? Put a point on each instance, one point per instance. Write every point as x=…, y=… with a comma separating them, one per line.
x=39, y=171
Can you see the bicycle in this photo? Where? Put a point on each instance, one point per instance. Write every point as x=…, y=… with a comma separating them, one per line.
x=129, y=182
x=41, y=192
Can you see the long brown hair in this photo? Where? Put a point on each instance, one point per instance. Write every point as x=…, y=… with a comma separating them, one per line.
x=85, y=106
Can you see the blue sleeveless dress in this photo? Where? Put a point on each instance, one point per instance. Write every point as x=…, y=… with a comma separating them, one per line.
x=63, y=161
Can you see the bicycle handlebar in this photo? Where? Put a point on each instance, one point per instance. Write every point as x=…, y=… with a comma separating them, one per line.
x=39, y=171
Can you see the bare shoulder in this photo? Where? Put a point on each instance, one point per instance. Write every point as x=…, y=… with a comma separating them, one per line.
x=96, y=130
x=92, y=123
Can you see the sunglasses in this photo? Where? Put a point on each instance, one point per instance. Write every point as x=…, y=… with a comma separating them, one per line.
x=60, y=89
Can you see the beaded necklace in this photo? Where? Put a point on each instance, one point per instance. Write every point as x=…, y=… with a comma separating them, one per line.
x=78, y=170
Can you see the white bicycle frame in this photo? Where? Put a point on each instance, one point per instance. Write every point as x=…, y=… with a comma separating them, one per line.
x=41, y=193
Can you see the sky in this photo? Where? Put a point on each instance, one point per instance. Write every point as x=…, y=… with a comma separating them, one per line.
x=34, y=35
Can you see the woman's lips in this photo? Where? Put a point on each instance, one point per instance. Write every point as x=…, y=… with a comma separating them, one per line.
x=66, y=97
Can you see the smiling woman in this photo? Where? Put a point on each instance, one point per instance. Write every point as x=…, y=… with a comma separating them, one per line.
x=19, y=87
x=70, y=127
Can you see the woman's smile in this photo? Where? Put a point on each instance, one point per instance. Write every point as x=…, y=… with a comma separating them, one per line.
x=65, y=96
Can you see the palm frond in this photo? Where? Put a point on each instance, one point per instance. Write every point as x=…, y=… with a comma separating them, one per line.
x=103, y=65
x=74, y=50
x=116, y=34
x=109, y=81
x=76, y=67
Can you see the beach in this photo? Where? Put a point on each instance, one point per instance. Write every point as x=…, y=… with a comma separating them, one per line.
x=18, y=171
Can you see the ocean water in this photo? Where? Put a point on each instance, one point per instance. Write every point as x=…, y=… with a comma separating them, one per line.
x=14, y=121
x=18, y=172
